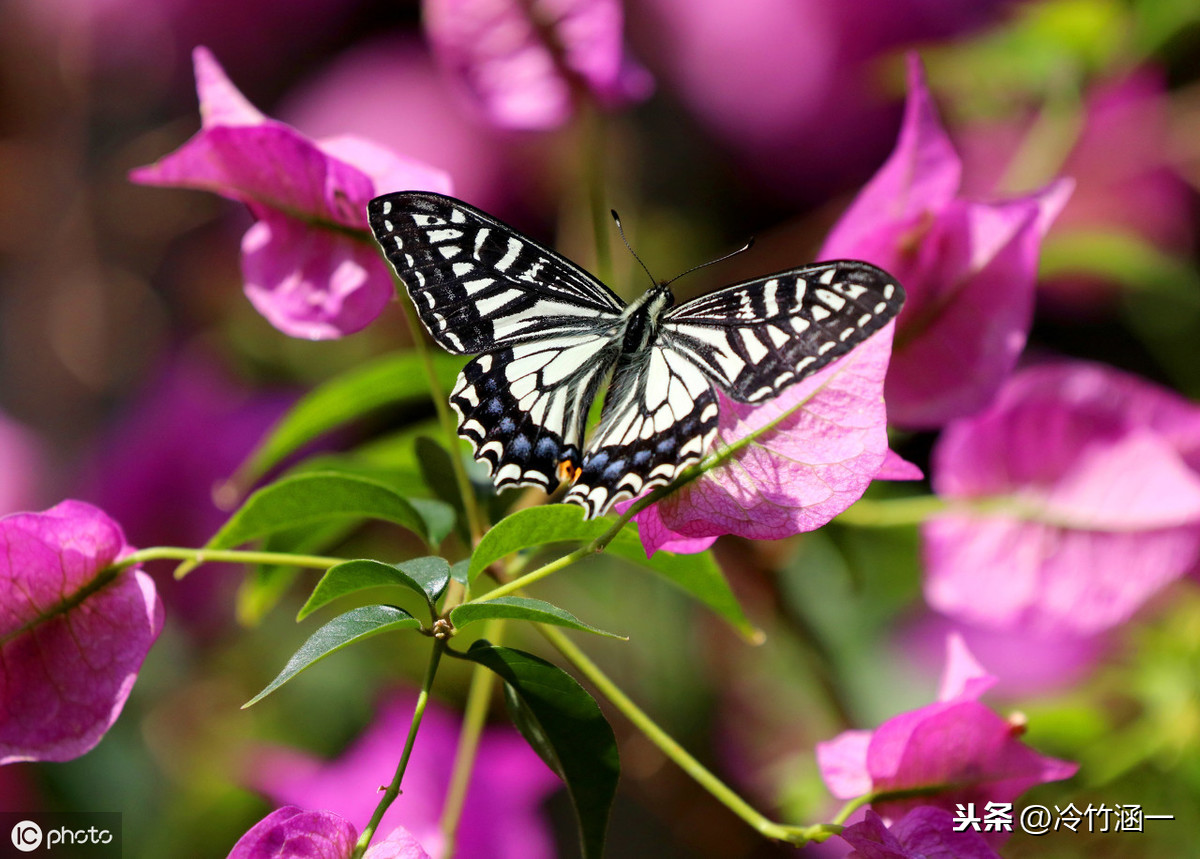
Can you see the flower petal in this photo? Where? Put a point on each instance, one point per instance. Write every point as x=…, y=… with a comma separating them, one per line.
x=1103, y=507
x=508, y=787
x=921, y=175
x=827, y=441
x=293, y=833
x=315, y=285
x=964, y=678
x=843, y=764
x=221, y=103
x=399, y=844
x=971, y=292
x=520, y=61
x=964, y=746
x=74, y=638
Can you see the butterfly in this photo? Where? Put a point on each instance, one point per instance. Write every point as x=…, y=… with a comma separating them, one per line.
x=547, y=335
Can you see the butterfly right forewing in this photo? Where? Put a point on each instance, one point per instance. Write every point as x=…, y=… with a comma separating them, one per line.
x=755, y=339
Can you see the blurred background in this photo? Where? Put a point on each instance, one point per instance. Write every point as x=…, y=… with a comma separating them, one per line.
x=134, y=374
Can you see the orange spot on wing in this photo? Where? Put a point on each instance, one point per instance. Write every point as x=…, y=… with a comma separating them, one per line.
x=568, y=471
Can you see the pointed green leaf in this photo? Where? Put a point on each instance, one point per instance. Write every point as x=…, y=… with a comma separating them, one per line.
x=563, y=723
x=386, y=381
x=310, y=499
x=521, y=608
x=355, y=625
x=426, y=576
x=458, y=572
x=534, y=526
x=696, y=575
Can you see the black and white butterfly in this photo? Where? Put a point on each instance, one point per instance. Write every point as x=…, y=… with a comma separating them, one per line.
x=547, y=334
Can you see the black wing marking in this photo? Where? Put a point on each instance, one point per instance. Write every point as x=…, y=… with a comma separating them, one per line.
x=660, y=416
x=523, y=407
x=546, y=331
x=477, y=283
x=756, y=338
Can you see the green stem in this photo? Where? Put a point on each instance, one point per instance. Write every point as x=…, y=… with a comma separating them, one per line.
x=893, y=512
x=449, y=425
x=669, y=747
x=479, y=697
x=885, y=796
x=591, y=123
x=393, y=789
x=227, y=556
x=599, y=544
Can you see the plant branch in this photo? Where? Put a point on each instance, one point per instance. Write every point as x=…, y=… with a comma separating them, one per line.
x=479, y=697
x=393, y=789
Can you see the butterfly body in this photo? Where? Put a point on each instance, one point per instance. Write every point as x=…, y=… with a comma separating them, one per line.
x=548, y=335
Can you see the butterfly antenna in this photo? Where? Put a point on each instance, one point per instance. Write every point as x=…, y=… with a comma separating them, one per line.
x=749, y=244
x=621, y=230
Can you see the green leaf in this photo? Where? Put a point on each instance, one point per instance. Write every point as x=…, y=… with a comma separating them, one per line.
x=389, y=380
x=564, y=725
x=534, y=526
x=355, y=625
x=696, y=575
x=521, y=608
x=310, y=499
x=426, y=576
x=458, y=571
x=265, y=584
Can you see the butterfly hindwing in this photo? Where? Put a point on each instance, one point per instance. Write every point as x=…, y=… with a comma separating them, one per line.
x=659, y=417
x=524, y=407
x=754, y=339
x=477, y=283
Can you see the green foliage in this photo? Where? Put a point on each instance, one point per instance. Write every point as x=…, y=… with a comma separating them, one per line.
x=343, y=630
x=521, y=608
x=563, y=723
x=311, y=499
x=387, y=381
x=428, y=577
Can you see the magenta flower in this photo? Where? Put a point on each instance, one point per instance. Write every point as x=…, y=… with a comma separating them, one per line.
x=969, y=269
x=926, y=832
x=1074, y=498
x=523, y=63
x=812, y=465
x=293, y=833
x=501, y=820
x=74, y=634
x=956, y=742
x=309, y=263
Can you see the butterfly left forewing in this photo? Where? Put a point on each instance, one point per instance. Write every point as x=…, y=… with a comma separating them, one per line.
x=477, y=283
x=546, y=332
x=756, y=338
